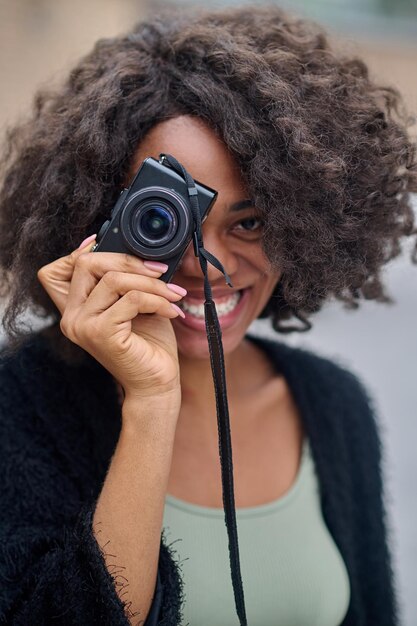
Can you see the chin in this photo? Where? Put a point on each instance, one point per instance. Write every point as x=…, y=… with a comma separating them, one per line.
x=195, y=345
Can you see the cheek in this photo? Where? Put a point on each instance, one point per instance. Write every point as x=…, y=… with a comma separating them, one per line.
x=265, y=288
x=257, y=266
x=264, y=293
x=270, y=281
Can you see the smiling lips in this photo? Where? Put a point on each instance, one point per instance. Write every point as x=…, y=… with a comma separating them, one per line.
x=224, y=304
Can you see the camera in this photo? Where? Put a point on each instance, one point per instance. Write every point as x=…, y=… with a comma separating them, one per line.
x=152, y=219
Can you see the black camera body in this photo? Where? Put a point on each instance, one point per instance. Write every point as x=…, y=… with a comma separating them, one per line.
x=152, y=219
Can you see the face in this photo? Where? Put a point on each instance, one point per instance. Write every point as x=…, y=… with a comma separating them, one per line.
x=232, y=232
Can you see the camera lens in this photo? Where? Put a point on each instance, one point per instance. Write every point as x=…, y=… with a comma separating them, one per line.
x=154, y=223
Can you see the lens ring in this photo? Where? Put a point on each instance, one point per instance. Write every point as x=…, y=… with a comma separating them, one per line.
x=152, y=197
x=154, y=223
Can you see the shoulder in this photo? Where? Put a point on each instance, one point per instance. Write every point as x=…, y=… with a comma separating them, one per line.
x=339, y=418
x=331, y=398
x=57, y=420
x=32, y=359
x=312, y=369
x=36, y=370
x=29, y=375
x=20, y=371
x=40, y=391
x=21, y=363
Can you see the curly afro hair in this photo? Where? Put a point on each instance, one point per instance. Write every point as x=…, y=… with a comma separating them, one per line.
x=324, y=150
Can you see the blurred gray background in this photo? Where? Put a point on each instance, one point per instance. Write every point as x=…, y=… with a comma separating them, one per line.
x=41, y=39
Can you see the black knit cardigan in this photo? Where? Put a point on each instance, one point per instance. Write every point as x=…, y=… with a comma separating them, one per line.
x=59, y=425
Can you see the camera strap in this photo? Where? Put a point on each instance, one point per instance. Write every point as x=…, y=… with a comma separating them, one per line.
x=214, y=337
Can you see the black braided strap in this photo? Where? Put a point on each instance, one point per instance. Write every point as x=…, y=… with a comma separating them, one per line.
x=214, y=337
x=225, y=450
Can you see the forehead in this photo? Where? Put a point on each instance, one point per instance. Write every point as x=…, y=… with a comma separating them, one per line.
x=196, y=146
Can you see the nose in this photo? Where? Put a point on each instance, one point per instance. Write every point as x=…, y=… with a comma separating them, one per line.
x=190, y=265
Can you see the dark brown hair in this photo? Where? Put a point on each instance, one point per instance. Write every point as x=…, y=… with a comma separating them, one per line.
x=323, y=149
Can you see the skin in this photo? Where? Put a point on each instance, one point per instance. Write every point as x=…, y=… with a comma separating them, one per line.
x=115, y=307
x=264, y=418
x=236, y=245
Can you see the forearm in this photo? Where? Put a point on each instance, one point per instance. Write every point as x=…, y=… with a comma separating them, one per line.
x=128, y=517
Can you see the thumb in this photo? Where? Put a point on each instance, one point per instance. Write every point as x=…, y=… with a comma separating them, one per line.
x=56, y=277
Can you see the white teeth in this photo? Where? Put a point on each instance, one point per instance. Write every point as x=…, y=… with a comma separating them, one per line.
x=224, y=307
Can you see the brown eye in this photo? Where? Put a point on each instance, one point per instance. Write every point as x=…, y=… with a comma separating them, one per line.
x=250, y=224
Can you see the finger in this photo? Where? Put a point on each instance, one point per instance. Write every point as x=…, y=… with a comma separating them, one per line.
x=56, y=277
x=115, y=285
x=63, y=268
x=89, y=269
x=135, y=303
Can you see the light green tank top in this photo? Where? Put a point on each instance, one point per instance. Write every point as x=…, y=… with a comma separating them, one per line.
x=292, y=571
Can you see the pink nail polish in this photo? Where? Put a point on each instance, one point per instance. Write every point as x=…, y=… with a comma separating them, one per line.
x=177, y=289
x=155, y=265
x=178, y=310
x=86, y=241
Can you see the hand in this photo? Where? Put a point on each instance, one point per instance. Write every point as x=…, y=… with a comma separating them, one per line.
x=117, y=309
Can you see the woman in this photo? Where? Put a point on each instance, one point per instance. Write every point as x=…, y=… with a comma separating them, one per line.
x=107, y=445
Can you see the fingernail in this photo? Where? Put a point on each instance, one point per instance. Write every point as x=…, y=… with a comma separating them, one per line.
x=177, y=289
x=177, y=309
x=155, y=265
x=86, y=241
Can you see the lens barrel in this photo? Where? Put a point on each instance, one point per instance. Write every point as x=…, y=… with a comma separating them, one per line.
x=155, y=222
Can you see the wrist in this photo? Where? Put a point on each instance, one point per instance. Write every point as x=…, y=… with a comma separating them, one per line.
x=151, y=393
x=151, y=412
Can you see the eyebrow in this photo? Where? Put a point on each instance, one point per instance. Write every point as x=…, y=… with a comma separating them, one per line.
x=241, y=205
